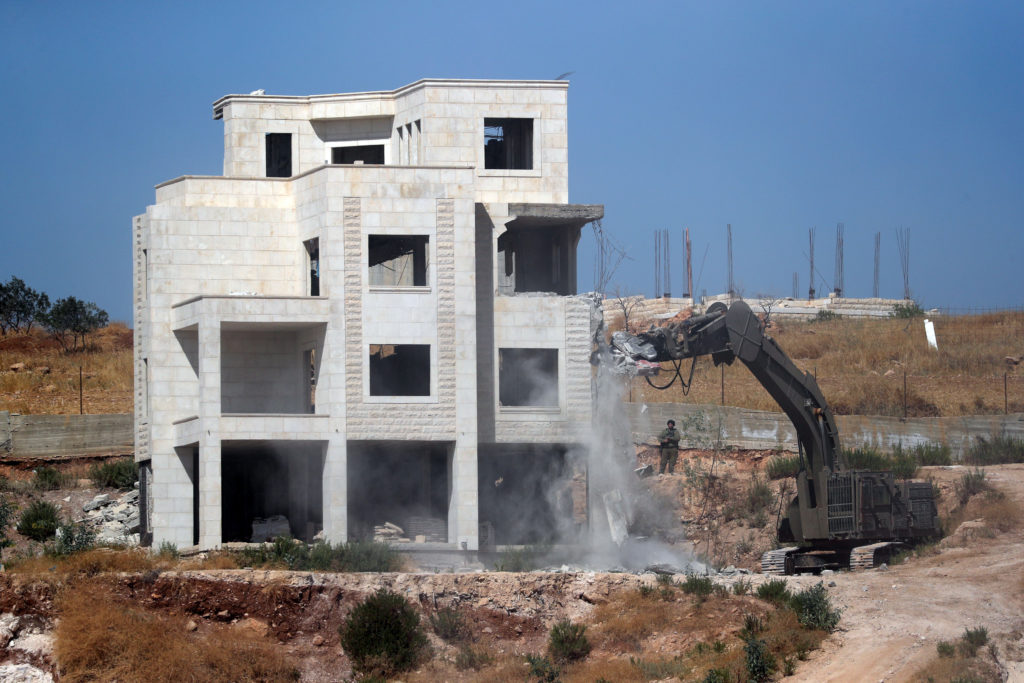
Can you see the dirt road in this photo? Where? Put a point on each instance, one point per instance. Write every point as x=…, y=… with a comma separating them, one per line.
x=892, y=619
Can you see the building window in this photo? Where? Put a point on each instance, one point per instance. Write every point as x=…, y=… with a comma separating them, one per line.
x=358, y=154
x=279, y=155
x=398, y=261
x=313, y=265
x=508, y=144
x=399, y=370
x=528, y=377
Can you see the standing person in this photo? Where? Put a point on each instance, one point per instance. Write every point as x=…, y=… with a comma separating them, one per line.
x=669, y=439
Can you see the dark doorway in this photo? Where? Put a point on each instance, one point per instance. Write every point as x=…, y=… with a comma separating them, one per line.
x=261, y=480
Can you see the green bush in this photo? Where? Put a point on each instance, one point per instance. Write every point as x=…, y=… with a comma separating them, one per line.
x=752, y=625
x=516, y=560
x=6, y=516
x=661, y=669
x=972, y=640
x=814, y=608
x=449, y=624
x=945, y=648
x=971, y=484
x=742, y=587
x=760, y=661
x=73, y=538
x=168, y=550
x=824, y=315
x=542, y=669
x=720, y=675
x=699, y=586
x=775, y=591
x=115, y=474
x=353, y=556
x=903, y=465
x=783, y=467
x=865, y=459
x=39, y=521
x=907, y=310
x=928, y=454
x=567, y=642
x=999, y=450
x=48, y=479
x=470, y=658
x=382, y=635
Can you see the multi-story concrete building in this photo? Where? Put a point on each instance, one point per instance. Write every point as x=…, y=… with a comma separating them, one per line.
x=370, y=317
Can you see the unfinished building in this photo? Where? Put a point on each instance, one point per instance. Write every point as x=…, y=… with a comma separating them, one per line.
x=370, y=318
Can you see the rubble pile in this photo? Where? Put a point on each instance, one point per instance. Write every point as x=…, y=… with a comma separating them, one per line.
x=115, y=521
x=428, y=529
x=388, y=532
x=24, y=637
x=268, y=529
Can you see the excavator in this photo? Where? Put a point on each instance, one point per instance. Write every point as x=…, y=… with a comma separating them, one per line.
x=839, y=517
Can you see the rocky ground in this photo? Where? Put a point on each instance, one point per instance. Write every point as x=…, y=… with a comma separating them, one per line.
x=892, y=618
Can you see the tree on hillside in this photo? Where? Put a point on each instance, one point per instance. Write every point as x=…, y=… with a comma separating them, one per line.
x=70, y=320
x=20, y=306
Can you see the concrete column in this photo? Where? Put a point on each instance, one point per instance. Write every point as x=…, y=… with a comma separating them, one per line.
x=209, y=440
x=463, y=512
x=335, y=483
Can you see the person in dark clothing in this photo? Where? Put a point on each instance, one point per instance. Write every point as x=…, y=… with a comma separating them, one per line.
x=669, y=439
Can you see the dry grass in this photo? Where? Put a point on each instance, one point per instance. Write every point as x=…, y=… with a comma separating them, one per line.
x=622, y=625
x=90, y=563
x=106, y=373
x=851, y=359
x=100, y=638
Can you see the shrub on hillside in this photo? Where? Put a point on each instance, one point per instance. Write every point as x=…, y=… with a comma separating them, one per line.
x=910, y=309
x=449, y=624
x=351, y=556
x=567, y=642
x=39, y=521
x=814, y=608
x=382, y=635
x=760, y=661
x=116, y=474
x=926, y=454
x=783, y=467
x=6, y=516
x=48, y=479
x=73, y=538
x=775, y=591
x=699, y=586
x=971, y=484
x=997, y=450
x=972, y=640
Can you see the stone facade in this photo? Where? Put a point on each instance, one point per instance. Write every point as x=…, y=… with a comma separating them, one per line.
x=328, y=331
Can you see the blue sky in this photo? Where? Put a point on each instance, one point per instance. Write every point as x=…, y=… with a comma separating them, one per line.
x=773, y=116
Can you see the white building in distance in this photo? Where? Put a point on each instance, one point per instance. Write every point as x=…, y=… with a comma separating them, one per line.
x=369, y=318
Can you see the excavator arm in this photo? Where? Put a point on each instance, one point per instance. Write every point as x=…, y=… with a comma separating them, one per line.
x=729, y=332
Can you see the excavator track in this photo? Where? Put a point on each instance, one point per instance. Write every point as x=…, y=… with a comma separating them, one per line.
x=870, y=556
x=774, y=561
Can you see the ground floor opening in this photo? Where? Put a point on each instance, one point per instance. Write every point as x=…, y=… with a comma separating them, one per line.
x=399, y=491
x=271, y=488
x=531, y=494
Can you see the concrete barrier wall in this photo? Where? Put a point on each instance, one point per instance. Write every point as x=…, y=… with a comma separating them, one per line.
x=68, y=435
x=64, y=435
x=763, y=430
